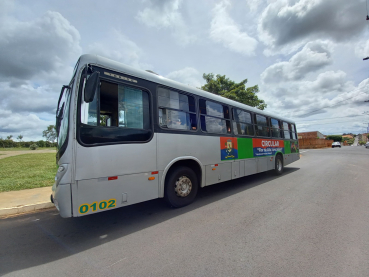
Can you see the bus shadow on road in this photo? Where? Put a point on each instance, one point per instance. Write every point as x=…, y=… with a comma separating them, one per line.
x=45, y=237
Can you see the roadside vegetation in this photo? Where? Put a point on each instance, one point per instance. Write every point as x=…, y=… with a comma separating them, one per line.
x=49, y=134
x=27, y=171
x=340, y=138
x=334, y=138
x=349, y=140
x=24, y=145
x=25, y=149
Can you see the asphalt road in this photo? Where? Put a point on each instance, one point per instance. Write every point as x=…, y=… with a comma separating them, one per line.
x=311, y=221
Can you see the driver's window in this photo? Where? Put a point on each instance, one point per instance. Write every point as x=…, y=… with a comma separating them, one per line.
x=117, y=106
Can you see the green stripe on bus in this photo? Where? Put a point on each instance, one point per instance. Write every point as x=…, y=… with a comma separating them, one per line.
x=245, y=148
x=287, y=147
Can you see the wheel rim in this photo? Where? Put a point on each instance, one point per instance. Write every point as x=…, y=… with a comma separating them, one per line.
x=279, y=165
x=183, y=186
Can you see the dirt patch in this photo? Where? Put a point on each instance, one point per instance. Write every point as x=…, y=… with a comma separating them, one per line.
x=6, y=154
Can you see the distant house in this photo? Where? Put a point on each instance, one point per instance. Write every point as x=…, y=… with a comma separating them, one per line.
x=315, y=134
x=363, y=137
x=348, y=136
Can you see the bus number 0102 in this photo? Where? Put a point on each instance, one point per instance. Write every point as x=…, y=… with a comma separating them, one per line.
x=102, y=205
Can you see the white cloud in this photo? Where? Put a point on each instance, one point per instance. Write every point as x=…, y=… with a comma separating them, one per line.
x=362, y=49
x=166, y=14
x=188, y=75
x=28, y=125
x=314, y=56
x=120, y=48
x=224, y=30
x=329, y=81
x=286, y=25
x=328, y=92
x=36, y=57
x=27, y=98
x=254, y=4
x=36, y=47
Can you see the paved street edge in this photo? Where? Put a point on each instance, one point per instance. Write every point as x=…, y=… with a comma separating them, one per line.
x=25, y=209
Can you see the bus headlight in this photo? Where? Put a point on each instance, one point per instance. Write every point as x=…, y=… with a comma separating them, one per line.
x=60, y=173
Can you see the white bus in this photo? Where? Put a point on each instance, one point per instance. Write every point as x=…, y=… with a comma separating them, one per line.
x=126, y=136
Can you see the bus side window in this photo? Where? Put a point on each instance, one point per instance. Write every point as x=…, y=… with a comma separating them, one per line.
x=242, y=123
x=286, y=130
x=294, y=134
x=262, y=128
x=176, y=110
x=214, y=117
x=276, y=133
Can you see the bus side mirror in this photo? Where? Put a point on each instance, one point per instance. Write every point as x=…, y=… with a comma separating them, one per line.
x=91, y=86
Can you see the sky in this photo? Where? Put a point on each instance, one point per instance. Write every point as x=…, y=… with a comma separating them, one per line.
x=306, y=56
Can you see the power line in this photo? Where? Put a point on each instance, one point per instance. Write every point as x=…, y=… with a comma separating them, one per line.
x=331, y=123
x=330, y=118
x=330, y=106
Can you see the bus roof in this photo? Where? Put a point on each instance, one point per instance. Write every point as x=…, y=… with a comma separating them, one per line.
x=125, y=69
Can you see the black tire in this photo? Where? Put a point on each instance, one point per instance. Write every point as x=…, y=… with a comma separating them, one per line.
x=177, y=196
x=278, y=169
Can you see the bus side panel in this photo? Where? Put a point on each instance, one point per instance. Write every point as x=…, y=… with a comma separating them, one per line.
x=217, y=174
x=235, y=169
x=172, y=146
x=242, y=168
x=123, y=191
x=296, y=157
x=113, y=160
x=271, y=163
x=251, y=166
x=287, y=159
x=262, y=164
x=292, y=158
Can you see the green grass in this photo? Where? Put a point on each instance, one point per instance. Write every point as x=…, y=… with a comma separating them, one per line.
x=27, y=171
x=26, y=148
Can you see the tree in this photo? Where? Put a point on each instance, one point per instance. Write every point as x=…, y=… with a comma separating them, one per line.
x=223, y=86
x=9, y=137
x=20, y=137
x=50, y=133
x=334, y=137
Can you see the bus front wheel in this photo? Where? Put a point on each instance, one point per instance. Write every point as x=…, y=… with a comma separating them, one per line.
x=278, y=165
x=180, y=187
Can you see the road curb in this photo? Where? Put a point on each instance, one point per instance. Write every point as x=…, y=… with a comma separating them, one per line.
x=25, y=209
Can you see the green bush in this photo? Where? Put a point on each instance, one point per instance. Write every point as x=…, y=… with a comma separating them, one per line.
x=50, y=144
x=27, y=144
x=33, y=146
x=8, y=143
x=41, y=143
x=334, y=137
x=362, y=142
x=349, y=140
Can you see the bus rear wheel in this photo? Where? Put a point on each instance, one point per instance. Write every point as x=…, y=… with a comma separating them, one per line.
x=278, y=165
x=180, y=187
